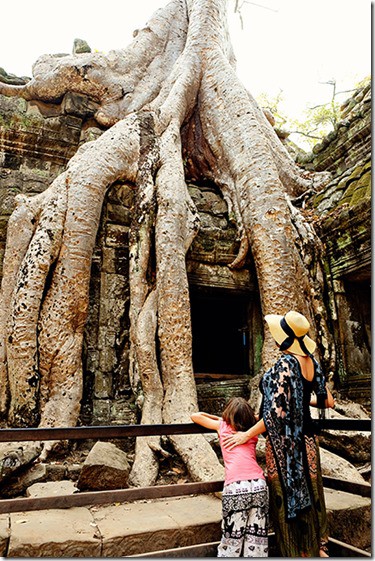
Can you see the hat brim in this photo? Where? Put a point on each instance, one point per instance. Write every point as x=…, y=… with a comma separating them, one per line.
x=277, y=332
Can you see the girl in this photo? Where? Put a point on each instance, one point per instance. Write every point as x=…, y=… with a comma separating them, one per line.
x=245, y=493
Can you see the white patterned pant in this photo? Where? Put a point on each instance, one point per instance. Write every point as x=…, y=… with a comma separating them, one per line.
x=245, y=519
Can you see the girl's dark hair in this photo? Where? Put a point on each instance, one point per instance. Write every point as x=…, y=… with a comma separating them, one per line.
x=239, y=414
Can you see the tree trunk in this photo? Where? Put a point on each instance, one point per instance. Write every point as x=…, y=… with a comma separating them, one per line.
x=172, y=92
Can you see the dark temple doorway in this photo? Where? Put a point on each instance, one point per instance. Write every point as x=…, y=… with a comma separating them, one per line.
x=220, y=333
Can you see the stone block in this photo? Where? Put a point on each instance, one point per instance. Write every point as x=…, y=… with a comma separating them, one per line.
x=17, y=484
x=210, y=221
x=4, y=533
x=106, y=337
x=51, y=489
x=112, y=311
x=113, y=287
x=108, y=260
x=79, y=105
x=103, y=380
x=92, y=360
x=349, y=518
x=101, y=411
x=106, y=467
x=54, y=533
x=124, y=412
x=129, y=529
x=119, y=214
x=117, y=235
x=121, y=193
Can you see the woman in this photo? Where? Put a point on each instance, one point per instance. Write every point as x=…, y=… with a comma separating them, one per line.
x=297, y=506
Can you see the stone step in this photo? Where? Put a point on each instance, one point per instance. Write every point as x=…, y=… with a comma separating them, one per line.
x=131, y=529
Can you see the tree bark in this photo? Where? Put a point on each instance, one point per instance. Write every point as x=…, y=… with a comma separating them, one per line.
x=173, y=93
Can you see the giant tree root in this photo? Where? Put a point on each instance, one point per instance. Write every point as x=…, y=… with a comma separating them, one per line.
x=176, y=100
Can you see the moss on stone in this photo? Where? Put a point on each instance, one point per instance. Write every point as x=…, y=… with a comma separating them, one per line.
x=20, y=121
x=258, y=352
x=358, y=195
x=348, y=194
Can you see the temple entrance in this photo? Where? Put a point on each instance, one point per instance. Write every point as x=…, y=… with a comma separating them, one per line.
x=355, y=331
x=220, y=333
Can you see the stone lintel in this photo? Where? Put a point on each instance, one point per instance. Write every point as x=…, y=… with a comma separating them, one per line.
x=219, y=276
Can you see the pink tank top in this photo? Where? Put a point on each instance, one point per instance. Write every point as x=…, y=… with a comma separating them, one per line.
x=240, y=462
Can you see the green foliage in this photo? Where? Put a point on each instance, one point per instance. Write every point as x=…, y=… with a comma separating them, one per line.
x=272, y=103
x=316, y=123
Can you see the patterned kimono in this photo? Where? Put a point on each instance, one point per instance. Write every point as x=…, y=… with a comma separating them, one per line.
x=297, y=507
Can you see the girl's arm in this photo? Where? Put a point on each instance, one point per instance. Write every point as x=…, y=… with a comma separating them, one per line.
x=330, y=402
x=206, y=420
x=238, y=438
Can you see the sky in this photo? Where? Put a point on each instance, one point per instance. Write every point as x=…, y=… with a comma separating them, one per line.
x=292, y=46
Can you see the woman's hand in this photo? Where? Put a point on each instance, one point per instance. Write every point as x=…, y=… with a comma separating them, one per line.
x=235, y=439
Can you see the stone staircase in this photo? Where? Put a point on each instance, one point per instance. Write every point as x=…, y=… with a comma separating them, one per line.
x=143, y=527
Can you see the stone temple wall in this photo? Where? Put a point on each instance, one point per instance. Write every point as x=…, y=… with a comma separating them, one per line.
x=343, y=209
x=108, y=396
x=36, y=142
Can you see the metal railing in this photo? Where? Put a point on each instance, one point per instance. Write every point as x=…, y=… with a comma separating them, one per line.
x=85, y=498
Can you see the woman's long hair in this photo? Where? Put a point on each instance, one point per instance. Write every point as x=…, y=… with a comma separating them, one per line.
x=239, y=414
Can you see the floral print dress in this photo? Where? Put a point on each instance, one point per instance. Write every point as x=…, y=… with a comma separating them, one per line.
x=297, y=506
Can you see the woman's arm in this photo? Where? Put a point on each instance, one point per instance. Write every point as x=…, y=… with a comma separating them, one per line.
x=206, y=420
x=238, y=438
x=329, y=402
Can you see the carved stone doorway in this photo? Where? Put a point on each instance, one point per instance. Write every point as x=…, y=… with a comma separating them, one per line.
x=220, y=327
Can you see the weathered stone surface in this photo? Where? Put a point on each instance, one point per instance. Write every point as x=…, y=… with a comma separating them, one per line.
x=106, y=467
x=355, y=446
x=51, y=489
x=208, y=200
x=163, y=524
x=15, y=455
x=144, y=526
x=212, y=398
x=351, y=409
x=332, y=464
x=24, y=131
x=213, y=275
x=4, y=533
x=125, y=413
x=12, y=78
x=349, y=518
x=339, y=468
x=81, y=46
x=350, y=140
x=17, y=484
x=342, y=211
x=79, y=105
x=217, y=240
x=54, y=533
x=58, y=472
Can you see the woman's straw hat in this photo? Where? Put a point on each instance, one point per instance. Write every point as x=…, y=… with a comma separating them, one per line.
x=289, y=332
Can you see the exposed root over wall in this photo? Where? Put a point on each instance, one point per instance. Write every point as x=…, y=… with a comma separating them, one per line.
x=173, y=92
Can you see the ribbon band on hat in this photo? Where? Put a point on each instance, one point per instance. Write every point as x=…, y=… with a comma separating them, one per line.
x=291, y=336
x=290, y=332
